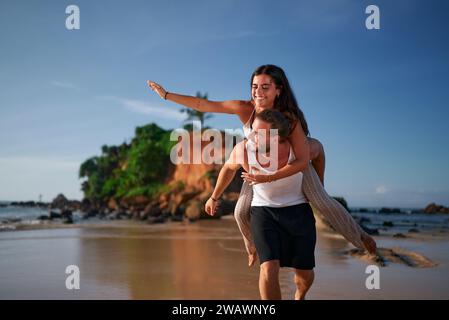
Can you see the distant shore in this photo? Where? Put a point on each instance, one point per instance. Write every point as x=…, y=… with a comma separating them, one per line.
x=26, y=215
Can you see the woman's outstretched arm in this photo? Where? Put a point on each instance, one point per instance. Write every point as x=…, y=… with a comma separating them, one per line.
x=238, y=107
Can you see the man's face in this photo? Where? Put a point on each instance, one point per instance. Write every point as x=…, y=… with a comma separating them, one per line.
x=262, y=136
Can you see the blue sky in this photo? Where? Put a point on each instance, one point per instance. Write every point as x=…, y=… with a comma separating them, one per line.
x=376, y=99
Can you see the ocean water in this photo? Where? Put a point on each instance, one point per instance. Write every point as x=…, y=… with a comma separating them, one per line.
x=402, y=222
x=23, y=213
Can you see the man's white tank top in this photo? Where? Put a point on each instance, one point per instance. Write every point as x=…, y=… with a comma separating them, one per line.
x=278, y=193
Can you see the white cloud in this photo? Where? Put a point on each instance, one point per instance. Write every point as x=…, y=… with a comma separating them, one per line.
x=381, y=190
x=156, y=111
x=65, y=85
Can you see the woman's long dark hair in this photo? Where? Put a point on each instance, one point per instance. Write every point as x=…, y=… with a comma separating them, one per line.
x=286, y=102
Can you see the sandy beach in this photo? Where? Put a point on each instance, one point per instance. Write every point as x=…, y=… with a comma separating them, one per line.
x=202, y=260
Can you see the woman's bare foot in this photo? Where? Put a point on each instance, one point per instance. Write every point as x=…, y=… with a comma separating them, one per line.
x=299, y=296
x=252, y=259
x=369, y=243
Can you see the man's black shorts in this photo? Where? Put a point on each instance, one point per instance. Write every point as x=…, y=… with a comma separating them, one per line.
x=286, y=234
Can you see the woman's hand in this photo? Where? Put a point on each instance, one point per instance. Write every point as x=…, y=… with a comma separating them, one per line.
x=211, y=207
x=157, y=88
x=255, y=178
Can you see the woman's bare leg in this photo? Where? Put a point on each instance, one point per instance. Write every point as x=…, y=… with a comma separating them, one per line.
x=333, y=212
x=242, y=217
x=317, y=157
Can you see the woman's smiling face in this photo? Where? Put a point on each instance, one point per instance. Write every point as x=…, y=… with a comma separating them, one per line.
x=264, y=91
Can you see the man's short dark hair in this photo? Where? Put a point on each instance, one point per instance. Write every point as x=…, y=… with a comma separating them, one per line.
x=277, y=121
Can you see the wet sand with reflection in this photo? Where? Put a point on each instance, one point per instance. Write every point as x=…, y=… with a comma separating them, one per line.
x=202, y=260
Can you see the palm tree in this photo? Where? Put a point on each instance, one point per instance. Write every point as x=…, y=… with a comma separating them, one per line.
x=195, y=114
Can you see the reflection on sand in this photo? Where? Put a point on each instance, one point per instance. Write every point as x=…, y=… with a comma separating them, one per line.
x=171, y=262
x=203, y=260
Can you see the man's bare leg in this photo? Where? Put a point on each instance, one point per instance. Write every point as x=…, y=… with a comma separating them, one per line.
x=303, y=280
x=269, y=280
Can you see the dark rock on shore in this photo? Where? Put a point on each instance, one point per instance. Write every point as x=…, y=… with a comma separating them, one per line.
x=29, y=204
x=66, y=214
x=90, y=213
x=390, y=210
x=11, y=220
x=68, y=220
x=160, y=219
x=113, y=204
x=118, y=215
x=59, y=202
x=54, y=215
x=434, y=208
x=177, y=218
x=152, y=210
x=361, y=221
x=388, y=224
x=370, y=231
x=399, y=235
x=194, y=210
x=364, y=220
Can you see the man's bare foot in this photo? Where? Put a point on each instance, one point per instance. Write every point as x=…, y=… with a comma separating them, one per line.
x=369, y=243
x=251, y=259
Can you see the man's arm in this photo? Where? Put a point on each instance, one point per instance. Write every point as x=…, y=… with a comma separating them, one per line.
x=227, y=173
